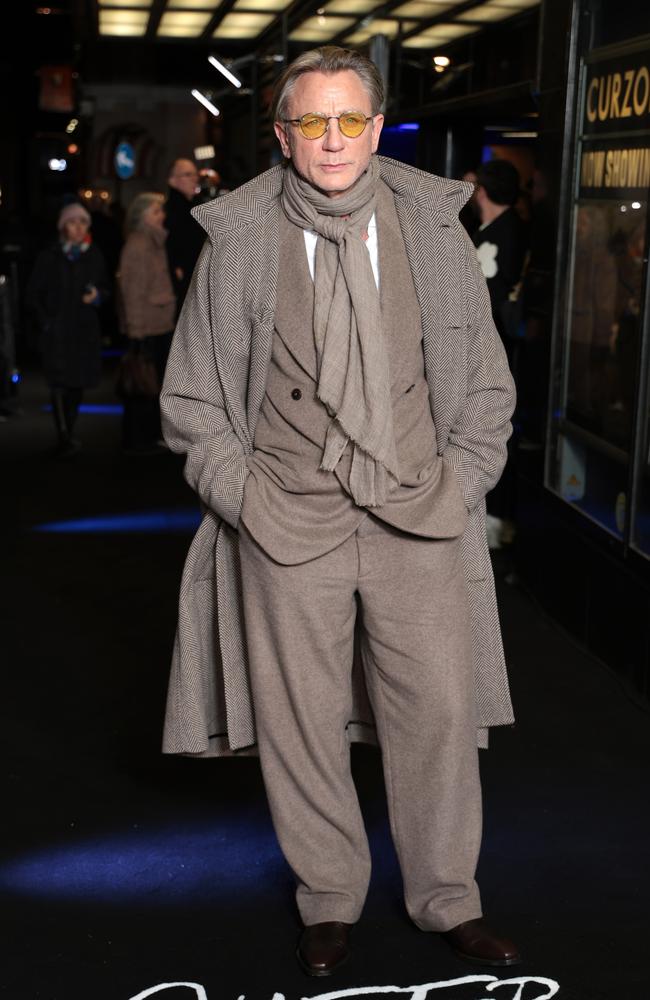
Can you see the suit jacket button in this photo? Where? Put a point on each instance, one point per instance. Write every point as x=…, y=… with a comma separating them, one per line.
x=296, y=394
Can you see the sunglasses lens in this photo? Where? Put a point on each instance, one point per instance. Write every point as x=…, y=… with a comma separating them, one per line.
x=352, y=125
x=313, y=126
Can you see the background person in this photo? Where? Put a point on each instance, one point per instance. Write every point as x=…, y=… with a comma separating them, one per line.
x=148, y=307
x=501, y=237
x=67, y=285
x=185, y=234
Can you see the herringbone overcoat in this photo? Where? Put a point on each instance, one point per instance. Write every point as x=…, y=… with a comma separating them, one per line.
x=211, y=398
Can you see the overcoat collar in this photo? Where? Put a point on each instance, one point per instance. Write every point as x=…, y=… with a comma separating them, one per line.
x=253, y=200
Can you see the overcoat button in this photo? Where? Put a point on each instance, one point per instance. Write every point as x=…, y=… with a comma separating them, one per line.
x=296, y=394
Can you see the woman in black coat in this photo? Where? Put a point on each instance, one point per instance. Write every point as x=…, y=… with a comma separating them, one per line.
x=67, y=285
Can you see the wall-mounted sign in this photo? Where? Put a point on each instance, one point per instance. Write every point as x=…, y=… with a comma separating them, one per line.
x=125, y=161
x=617, y=94
x=615, y=124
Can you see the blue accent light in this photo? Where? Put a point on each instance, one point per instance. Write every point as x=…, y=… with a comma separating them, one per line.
x=104, y=409
x=232, y=858
x=112, y=352
x=15, y=378
x=408, y=127
x=150, y=522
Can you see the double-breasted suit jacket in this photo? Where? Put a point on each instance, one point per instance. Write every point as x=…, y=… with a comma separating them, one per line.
x=211, y=398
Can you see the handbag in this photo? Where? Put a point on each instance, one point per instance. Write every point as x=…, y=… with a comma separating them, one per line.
x=137, y=376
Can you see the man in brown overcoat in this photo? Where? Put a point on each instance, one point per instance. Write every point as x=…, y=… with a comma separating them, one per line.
x=343, y=400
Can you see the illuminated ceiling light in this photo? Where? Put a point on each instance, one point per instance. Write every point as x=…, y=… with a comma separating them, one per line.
x=262, y=5
x=489, y=12
x=357, y=7
x=239, y=25
x=438, y=35
x=224, y=72
x=73, y=148
x=202, y=99
x=521, y=4
x=320, y=29
x=191, y=5
x=71, y=126
x=636, y=204
x=123, y=22
x=420, y=8
x=520, y=135
x=378, y=26
x=182, y=23
x=204, y=153
x=57, y=164
x=125, y=3
x=441, y=61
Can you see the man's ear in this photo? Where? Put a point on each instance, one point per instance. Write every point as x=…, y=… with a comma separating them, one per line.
x=377, y=125
x=283, y=139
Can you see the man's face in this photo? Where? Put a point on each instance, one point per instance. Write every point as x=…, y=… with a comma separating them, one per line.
x=334, y=162
x=185, y=178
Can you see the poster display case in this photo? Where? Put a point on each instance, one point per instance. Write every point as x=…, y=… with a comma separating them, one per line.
x=598, y=458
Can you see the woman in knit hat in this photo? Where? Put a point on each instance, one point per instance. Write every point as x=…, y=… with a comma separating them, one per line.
x=66, y=286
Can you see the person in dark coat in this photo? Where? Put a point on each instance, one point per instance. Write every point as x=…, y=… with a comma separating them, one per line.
x=185, y=234
x=67, y=285
x=500, y=243
x=501, y=238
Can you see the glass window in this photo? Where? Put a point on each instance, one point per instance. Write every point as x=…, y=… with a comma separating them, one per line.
x=641, y=521
x=599, y=429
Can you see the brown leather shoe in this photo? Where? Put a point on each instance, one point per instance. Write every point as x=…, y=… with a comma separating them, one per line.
x=474, y=941
x=323, y=947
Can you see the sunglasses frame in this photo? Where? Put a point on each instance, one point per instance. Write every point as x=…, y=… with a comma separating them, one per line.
x=328, y=119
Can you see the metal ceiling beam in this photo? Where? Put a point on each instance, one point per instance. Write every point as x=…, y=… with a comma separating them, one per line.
x=157, y=10
x=223, y=8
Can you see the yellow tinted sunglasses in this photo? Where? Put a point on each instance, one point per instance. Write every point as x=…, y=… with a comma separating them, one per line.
x=314, y=125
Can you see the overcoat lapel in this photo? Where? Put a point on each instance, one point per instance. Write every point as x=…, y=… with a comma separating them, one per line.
x=294, y=314
x=429, y=249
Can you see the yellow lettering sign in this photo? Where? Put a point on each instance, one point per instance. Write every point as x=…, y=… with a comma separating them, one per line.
x=618, y=96
x=615, y=168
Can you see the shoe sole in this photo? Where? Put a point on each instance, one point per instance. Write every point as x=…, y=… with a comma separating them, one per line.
x=309, y=970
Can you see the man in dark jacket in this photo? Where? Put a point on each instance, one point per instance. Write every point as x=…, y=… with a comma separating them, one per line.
x=500, y=240
x=185, y=234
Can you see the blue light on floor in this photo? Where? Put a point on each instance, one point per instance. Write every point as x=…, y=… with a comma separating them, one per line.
x=231, y=859
x=184, y=520
x=110, y=409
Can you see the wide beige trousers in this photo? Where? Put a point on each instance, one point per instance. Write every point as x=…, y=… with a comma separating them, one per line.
x=409, y=597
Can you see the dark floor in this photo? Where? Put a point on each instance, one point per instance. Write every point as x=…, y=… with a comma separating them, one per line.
x=124, y=870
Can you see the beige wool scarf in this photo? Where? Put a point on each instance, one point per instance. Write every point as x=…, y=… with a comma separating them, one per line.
x=353, y=375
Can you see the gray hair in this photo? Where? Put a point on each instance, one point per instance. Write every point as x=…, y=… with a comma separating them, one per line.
x=327, y=59
x=138, y=207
